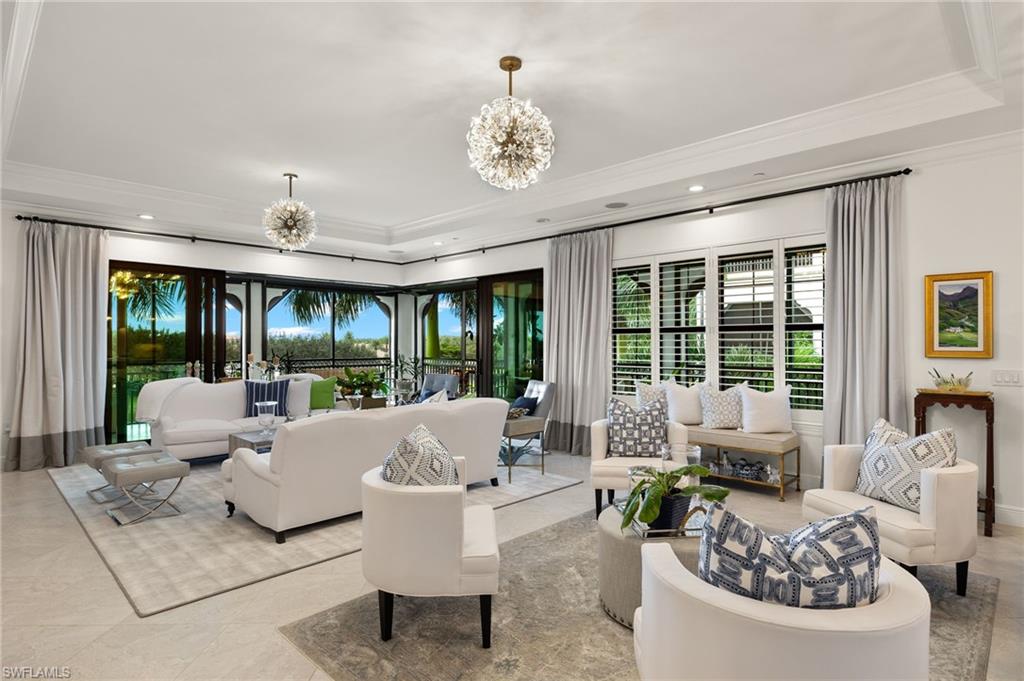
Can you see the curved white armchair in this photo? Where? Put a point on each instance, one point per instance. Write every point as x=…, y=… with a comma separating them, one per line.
x=424, y=541
x=612, y=472
x=687, y=629
x=945, y=531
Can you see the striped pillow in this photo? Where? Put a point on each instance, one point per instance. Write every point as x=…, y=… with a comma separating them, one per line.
x=266, y=391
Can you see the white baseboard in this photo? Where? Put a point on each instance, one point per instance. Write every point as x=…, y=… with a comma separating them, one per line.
x=1010, y=515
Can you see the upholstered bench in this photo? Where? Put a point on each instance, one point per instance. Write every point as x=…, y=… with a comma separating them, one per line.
x=96, y=455
x=774, y=444
x=129, y=473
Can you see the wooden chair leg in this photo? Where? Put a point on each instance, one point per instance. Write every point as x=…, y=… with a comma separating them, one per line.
x=485, y=619
x=597, y=503
x=961, y=578
x=386, y=603
x=611, y=496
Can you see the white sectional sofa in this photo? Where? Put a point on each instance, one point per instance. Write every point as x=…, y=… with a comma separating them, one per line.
x=314, y=468
x=196, y=418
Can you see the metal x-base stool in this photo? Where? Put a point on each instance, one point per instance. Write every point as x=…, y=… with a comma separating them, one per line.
x=96, y=455
x=144, y=470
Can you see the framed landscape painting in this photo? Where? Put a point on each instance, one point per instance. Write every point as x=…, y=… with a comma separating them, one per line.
x=958, y=315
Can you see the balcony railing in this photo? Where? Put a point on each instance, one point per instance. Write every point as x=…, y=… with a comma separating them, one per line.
x=464, y=369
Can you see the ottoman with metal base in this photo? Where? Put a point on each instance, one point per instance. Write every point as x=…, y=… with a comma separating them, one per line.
x=97, y=455
x=129, y=473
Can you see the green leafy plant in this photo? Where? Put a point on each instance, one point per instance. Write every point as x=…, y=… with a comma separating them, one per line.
x=654, y=485
x=364, y=383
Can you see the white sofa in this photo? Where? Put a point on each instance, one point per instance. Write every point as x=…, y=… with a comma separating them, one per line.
x=945, y=531
x=196, y=418
x=612, y=472
x=425, y=541
x=313, y=470
x=687, y=629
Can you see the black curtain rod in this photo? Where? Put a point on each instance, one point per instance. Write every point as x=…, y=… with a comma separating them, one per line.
x=708, y=208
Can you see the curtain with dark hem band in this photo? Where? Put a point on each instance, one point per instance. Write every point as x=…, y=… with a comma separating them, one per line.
x=864, y=342
x=577, y=313
x=60, y=385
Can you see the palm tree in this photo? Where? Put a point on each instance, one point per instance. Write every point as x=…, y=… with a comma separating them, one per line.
x=308, y=306
x=153, y=298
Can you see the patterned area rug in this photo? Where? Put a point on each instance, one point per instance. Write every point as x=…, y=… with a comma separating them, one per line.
x=548, y=624
x=163, y=563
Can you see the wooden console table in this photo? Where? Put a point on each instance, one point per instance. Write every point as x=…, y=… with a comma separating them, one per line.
x=976, y=400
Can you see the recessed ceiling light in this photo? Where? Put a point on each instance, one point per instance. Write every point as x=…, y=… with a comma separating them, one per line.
x=455, y=238
x=616, y=204
x=396, y=251
x=758, y=174
x=439, y=243
x=696, y=188
x=145, y=216
x=543, y=220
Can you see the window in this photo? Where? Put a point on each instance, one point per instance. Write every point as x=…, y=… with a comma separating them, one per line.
x=682, y=321
x=631, y=327
x=746, y=299
x=805, y=326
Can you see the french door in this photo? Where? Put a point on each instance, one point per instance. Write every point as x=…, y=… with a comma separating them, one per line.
x=163, y=322
x=511, y=334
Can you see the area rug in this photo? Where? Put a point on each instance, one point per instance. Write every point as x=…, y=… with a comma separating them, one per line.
x=167, y=562
x=548, y=624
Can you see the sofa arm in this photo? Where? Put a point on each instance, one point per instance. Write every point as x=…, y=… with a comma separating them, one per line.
x=949, y=503
x=841, y=466
x=599, y=440
x=678, y=438
x=254, y=463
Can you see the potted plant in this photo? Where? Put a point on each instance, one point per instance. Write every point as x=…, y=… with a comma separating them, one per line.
x=408, y=371
x=657, y=501
x=364, y=383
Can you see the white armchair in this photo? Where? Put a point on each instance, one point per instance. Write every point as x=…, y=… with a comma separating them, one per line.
x=735, y=637
x=945, y=531
x=612, y=472
x=424, y=541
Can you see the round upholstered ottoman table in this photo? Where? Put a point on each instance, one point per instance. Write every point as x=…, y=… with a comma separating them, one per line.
x=618, y=564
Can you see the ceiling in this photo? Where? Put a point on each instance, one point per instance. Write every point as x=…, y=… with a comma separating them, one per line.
x=191, y=111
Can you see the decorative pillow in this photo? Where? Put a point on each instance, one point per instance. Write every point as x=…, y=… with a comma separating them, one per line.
x=890, y=469
x=647, y=393
x=766, y=412
x=721, y=409
x=321, y=393
x=831, y=563
x=684, y=403
x=298, y=397
x=439, y=396
x=266, y=391
x=635, y=432
x=419, y=458
x=527, y=403
x=516, y=413
x=424, y=394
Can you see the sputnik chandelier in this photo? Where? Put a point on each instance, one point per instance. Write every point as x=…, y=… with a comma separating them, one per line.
x=289, y=223
x=511, y=141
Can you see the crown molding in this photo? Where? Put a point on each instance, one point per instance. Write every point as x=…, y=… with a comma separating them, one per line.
x=20, y=42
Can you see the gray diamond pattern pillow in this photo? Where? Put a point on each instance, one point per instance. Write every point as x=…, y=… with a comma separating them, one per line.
x=636, y=432
x=890, y=469
x=722, y=409
x=647, y=393
x=419, y=458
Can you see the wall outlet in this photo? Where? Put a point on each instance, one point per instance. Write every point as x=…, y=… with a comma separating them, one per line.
x=1007, y=377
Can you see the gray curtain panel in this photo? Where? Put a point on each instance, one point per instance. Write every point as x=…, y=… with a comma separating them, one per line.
x=864, y=343
x=577, y=310
x=60, y=378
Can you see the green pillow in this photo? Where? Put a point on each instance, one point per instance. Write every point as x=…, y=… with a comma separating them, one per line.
x=321, y=394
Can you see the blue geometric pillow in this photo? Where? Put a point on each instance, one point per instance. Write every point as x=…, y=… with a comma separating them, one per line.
x=830, y=563
x=527, y=403
x=266, y=391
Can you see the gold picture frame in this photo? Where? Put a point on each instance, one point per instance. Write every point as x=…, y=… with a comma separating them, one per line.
x=958, y=315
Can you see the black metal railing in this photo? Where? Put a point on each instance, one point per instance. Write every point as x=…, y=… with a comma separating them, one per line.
x=464, y=369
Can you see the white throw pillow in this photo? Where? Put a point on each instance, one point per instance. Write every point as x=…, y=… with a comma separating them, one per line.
x=766, y=412
x=647, y=393
x=684, y=403
x=721, y=409
x=439, y=396
x=298, y=397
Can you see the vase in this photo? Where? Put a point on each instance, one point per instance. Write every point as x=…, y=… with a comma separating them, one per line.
x=673, y=510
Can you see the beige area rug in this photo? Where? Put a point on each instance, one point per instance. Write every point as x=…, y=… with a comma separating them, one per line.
x=549, y=626
x=166, y=562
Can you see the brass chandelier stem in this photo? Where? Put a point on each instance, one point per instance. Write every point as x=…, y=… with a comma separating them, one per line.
x=510, y=64
x=290, y=176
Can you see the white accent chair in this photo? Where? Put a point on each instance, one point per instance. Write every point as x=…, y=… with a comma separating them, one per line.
x=313, y=469
x=735, y=637
x=612, y=472
x=424, y=541
x=945, y=531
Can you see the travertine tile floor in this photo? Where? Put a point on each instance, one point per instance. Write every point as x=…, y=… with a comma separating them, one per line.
x=60, y=606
